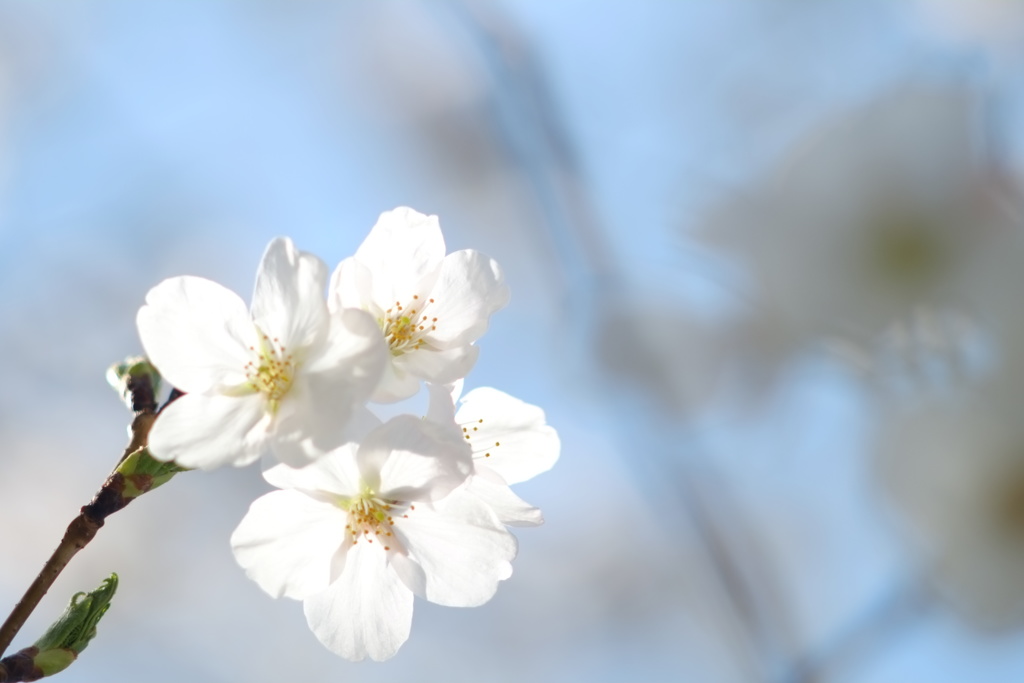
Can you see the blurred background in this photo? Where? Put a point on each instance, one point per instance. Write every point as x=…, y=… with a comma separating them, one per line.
x=766, y=265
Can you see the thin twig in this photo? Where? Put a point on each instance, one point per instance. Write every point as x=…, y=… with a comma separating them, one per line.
x=83, y=528
x=904, y=606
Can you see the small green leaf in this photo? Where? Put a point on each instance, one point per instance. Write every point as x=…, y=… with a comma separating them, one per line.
x=77, y=626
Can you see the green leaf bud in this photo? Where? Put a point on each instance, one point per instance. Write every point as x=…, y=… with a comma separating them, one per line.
x=135, y=379
x=143, y=473
x=77, y=626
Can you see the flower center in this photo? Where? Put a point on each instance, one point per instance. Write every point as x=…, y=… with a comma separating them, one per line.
x=905, y=250
x=370, y=517
x=406, y=326
x=1007, y=504
x=272, y=371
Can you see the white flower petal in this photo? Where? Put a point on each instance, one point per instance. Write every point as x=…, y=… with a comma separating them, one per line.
x=408, y=458
x=204, y=432
x=335, y=473
x=197, y=333
x=396, y=383
x=439, y=367
x=352, y=287
x=403, y=252
x=441, y=406
x=468, y=290
x=367, y=611
x=362, y=422
x=410, y=573
x=510, y=508
x=288, y=300
x=314, y=416
x=463, y=548
x=353, y=350
x=508, y=435
x=286, y=543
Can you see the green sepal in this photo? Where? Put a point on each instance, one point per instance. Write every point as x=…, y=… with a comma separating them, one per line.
x=54, y=661
x=144, y=473
x=76, y=627
x=137, y=367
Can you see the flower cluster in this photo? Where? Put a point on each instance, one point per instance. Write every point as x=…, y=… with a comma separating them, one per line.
x=368, y=513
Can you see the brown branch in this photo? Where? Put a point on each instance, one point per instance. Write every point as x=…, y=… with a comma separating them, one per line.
x=82, y=529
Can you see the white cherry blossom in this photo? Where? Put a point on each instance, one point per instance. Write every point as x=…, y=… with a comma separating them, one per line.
x=284, y=375
x=887, y=210
x=430, y=307
x=509, y=440
x=954, y=471
x=359, y=532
